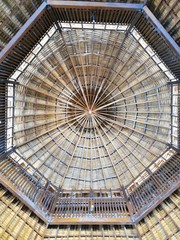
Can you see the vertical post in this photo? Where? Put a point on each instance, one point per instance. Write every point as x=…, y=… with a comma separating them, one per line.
x=175, y=111
x=129, y=205
x=178, y=106
x=14, y=86
x=56, y=197
x=3, y=117
x=138, y=233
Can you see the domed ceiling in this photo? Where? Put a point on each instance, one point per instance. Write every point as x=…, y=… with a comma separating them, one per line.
x=92, y=108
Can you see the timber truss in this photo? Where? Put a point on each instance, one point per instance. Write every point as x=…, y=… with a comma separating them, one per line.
x=126, y=205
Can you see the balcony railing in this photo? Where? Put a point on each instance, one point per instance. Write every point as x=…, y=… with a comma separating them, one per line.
x=159, y=182
x=91, y=205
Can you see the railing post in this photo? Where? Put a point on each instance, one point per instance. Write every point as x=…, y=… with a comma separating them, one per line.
x=129, y=205
x=53, y=207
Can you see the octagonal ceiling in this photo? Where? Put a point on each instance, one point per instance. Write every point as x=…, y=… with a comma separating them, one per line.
x=91, y=112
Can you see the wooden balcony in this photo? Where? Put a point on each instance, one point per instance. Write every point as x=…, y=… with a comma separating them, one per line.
x=57, y=206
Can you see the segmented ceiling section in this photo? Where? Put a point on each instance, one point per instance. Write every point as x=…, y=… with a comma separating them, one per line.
x=92, y=109
x=13, y=14
x=168, y=13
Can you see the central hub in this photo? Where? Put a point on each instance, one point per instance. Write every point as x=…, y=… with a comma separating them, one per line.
x=90, y=112
x=90, y=109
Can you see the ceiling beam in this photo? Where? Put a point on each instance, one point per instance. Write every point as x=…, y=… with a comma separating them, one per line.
x=94, y=5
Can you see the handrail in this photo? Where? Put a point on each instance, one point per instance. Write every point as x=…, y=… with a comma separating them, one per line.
x=153, y=187
x=110, y=204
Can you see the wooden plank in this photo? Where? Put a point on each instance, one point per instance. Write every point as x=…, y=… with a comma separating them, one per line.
x=90, y=221
x=90, y=5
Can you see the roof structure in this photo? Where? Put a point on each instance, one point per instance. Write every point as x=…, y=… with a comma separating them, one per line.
x=90, y=119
